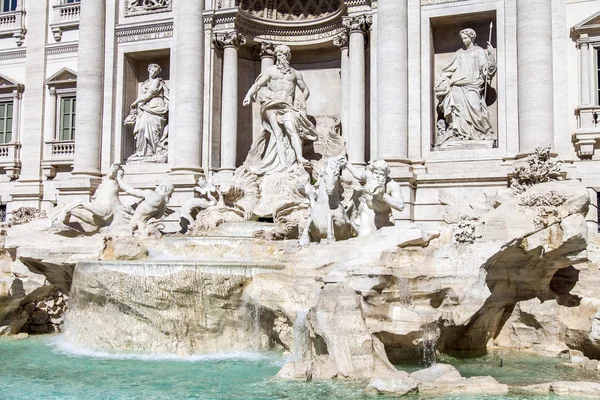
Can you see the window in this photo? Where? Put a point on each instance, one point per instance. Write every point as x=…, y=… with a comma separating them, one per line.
x=8, y=5
x=70, y=1
x=67, y=118
x=6, y=117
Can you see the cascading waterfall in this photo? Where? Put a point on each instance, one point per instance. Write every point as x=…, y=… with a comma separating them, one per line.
x=301, y=336
x=428, y=341
x=164, y=307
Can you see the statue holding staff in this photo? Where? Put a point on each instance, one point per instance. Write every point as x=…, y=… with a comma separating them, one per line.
x=461, y=88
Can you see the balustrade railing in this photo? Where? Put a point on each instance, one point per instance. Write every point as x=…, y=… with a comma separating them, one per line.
x=66, y=16
x=63, y=149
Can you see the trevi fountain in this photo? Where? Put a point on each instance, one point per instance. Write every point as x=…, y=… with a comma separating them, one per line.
x=284, y=216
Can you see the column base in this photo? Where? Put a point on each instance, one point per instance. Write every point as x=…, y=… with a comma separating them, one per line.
x=186, y=170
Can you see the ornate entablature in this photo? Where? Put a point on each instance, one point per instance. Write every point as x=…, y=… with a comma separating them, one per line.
x=291, y=21
x=432, y=2
x=137, y=7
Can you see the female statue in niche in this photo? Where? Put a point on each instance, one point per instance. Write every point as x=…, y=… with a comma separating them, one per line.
x=460, y=88
x=149, y=115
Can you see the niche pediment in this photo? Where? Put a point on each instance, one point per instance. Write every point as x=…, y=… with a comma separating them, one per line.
x=9, y=85
x=589, y=26
x=65, y=77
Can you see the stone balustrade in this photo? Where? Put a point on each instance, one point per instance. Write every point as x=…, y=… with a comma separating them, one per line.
x=588, y=130
x=10, y=159
x=12, y=23
x=63, y=149
x=66, y=16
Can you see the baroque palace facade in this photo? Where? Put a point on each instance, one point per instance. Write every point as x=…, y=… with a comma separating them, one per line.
x=77, y=77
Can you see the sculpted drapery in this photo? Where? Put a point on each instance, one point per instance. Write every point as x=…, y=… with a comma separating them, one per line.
x=459, y=88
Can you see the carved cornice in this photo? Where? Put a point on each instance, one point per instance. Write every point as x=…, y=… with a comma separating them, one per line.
x=222, y=40
x=61, y=49
x=147, y=31
x=13, y=54
x=358, y=23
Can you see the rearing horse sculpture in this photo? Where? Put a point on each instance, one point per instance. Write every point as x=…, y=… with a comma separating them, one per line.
x=328, y=218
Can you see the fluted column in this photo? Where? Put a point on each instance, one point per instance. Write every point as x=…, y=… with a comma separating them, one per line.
x=185, y=133
x=341, y=41
x=392, y=86
x=267, y=56
x=584, y=51
x=535, y=75
x=90, y=89
x=229, y=42
x=359, y=27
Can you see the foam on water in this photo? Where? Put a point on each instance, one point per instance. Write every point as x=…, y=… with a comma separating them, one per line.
x=64, y=347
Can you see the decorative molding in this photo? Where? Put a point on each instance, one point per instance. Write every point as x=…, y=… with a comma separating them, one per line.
x=138, y=32
x=290, y=10
x=53, y=49
x=12, y=54
x=141, y=7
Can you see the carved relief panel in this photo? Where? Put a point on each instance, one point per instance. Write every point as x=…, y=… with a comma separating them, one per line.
x=136, y=7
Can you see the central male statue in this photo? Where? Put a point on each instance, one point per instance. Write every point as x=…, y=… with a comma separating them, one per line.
x=283, y=115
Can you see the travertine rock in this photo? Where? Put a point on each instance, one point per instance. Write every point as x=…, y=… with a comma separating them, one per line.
x=575, y=389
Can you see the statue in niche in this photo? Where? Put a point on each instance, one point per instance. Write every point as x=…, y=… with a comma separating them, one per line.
x=148, y=213
x=371, y=206
x=283, y=115
x=149, y=114
x=460, y=89
x=104, y=208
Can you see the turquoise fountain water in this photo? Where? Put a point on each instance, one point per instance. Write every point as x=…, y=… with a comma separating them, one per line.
x=45, y=367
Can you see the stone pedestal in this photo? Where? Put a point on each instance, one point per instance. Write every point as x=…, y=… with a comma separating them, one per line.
x=356, y=138
x=185, y=141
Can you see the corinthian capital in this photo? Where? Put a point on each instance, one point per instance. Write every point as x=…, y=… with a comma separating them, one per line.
x=358, y=23
x=341, y=40
x=267, y=50
x=228, y=39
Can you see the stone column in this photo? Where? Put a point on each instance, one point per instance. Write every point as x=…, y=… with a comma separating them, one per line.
x=90, y=89
x=392, y=84
x=185, y=147
x=229, y=42
x=535, y=74
x=584, y=60
x=355, y=139
x=341, y=41
x=267, y=56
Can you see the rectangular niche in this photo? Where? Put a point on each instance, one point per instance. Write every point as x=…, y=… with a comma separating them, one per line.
x=135, y=74
x=459, y=121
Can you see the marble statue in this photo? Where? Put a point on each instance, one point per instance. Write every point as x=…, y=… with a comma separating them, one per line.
x=283, y=115
x=152, y=207
x=103, y=208
x=149, y=114
x=208, y=191
x=460, y=89
x=372, y=205
x=328, y=218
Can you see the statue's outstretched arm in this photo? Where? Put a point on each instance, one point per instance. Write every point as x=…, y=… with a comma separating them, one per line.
x=302, y=86
x=127, y=188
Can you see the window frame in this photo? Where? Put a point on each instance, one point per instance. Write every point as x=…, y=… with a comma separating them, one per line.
x=12, y=6
x=60, y=129
x=4, y=117
x=60, y=94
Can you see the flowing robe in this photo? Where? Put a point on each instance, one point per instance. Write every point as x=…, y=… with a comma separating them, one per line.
x=263, y=157
x=459, y=89
x=149, y=131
